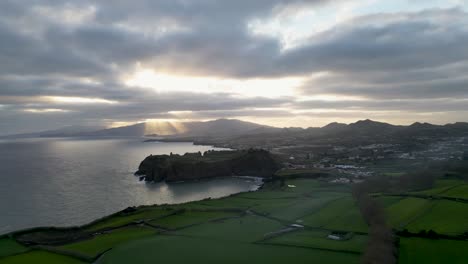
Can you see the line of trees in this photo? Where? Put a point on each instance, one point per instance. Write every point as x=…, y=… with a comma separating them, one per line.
x=381, y=247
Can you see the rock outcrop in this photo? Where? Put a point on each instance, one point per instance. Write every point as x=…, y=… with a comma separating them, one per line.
x=194, y=166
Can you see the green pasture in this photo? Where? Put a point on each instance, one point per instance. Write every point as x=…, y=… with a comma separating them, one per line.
x=10, y=247
x=188, y=218
x=460, y=191
x=320, y=240
x=176, y=249
x=403, y=212
x=146, y=213
x=249, y=228
x=340, y=214
x=428, y=251
x=39, y=257
x=101, y=243
x=445, y=217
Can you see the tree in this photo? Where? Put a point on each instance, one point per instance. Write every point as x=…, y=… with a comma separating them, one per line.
x=381, y=245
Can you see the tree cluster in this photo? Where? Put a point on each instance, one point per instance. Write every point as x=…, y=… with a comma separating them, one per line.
x=381, y=248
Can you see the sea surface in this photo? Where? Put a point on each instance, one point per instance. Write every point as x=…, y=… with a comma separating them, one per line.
x=64, y=182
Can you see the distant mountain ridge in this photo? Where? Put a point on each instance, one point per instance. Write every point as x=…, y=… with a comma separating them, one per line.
x=358, y=133
x=215, y=128
x=233, y=129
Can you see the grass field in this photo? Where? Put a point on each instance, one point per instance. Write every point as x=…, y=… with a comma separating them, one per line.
x=228, y=203
x=119, y=220
x=269, y=194
x=101, y=243
x=250, y=228
x=339, y=214
x=457, y=192
x=188, y=218
x=219, y=229
x=441, y=186
x=293, y=210
x=387, y=201
x=417, y=250
x=401, y=213
x=445, y=217
x=10, y=247
x=307, y=186
x=319, y=240
x=168, y=249
x=39, y=257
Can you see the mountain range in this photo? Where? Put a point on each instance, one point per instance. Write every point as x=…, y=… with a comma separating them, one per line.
x=358, y=133
x=214, y=128
x=237, y=130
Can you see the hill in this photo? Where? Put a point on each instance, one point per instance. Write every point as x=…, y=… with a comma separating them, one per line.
x=195, y=166
x=354, y=134
x=221, y=128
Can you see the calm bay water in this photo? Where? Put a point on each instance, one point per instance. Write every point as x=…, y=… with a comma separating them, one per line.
x=66, y=182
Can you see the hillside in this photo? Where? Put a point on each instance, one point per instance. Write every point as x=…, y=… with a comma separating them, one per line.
x=195, y=166
x=221, y=128
x=359, y=133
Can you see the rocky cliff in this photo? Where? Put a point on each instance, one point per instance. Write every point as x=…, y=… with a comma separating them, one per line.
x=193, y=166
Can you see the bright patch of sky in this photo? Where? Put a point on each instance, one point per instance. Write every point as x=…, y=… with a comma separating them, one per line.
x=294, y=27
x=163, y=83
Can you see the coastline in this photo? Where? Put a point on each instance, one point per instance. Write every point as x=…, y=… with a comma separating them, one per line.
x=48, y=228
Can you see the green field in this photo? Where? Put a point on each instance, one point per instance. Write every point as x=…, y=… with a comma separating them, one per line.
x=175, y=249
x=252, y=223
x=339, y=214
x=10, y=247
x=387, y=201
x=457, y=192
x=249, y=228
x=319, y=240
x=442, y=186
x=255, y=227
x=445, y=217
x=39, y=257
x=189, y=218
x=123, y=219
x=404, y=211
x=227, y=203
x=293, y=210
x=101, y=243
x=417, y=250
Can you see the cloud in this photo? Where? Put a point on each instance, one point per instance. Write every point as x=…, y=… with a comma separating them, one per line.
x=417, y=61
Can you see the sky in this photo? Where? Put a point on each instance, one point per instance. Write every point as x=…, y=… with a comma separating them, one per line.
x=296, y=63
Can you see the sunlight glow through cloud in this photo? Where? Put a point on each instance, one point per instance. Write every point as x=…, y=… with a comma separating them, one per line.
x=283, y=63
x=46, y=110
x=162, y=127
x=164, y=82
x=78, y=100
